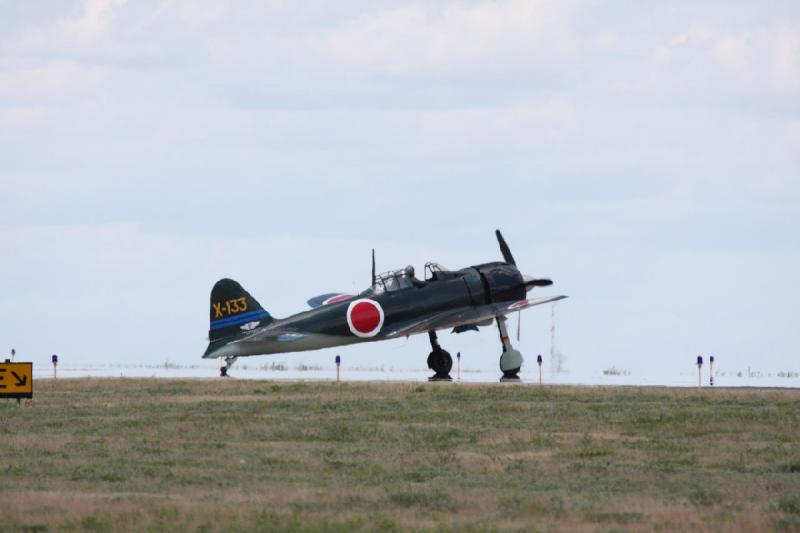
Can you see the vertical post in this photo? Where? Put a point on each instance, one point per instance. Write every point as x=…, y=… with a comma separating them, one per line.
x=55, y=364
x=539, y=361
x=13, y=353
x=699, y=371
x=338, y=363
x=458, y=366
x=711, y=371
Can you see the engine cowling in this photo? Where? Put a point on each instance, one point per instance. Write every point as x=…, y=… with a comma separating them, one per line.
x=502, y=282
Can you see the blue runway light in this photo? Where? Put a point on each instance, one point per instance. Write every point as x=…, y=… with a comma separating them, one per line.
x=55, y=359
x=699, y=360
x=338, y=359
x=539, y=360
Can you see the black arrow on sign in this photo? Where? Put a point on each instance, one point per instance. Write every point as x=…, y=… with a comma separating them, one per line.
x=1, y=377
x=21, y=381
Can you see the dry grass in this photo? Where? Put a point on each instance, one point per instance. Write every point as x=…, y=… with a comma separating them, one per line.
x=128, y=454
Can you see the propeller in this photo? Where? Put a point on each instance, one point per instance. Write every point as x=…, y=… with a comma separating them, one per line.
x=373, y=268
x=504, y=249
x=528, y=281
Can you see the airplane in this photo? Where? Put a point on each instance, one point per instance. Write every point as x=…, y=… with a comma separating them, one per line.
x=396, y=304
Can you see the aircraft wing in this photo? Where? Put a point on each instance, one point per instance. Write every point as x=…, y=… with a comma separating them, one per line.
x=504, y=309
x=429, y=322
x=466, y=316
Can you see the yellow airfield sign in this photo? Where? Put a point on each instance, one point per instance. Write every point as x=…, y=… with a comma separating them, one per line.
x=16, y=380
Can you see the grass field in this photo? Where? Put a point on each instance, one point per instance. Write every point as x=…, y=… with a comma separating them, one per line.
x=121, y=454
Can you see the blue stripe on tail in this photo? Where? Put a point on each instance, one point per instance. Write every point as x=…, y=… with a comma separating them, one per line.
x=236, y=320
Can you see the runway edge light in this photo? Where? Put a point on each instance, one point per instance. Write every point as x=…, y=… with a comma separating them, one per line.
x=539, y=362
x=699, y=371
x=711, y=370
x=338, y=363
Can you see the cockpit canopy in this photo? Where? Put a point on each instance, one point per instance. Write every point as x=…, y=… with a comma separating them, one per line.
x=395, y=280
x=432, y=270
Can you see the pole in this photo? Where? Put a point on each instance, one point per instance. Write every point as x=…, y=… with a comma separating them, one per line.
x=699, y=371
x=539, y=361
x=55, y=364
x=13, y=353
x=338, y=362
x=458, y=365
x=711, y=371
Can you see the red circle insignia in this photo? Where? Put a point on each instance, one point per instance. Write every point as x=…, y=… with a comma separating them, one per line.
x=365, y=317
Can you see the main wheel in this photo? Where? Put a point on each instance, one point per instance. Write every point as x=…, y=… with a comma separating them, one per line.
x=447, y=362
x=440, y=362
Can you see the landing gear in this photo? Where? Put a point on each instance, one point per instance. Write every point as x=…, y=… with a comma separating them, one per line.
x=510, y=359
x=439, y=360
x=223, y=369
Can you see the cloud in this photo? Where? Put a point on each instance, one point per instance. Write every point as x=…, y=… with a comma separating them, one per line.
x=783, y=49
x=92, y=32
x=193, y=12
x=734, y=52
x=56, y=80
x=419, y=38
x=14, y=118
x=760, y=58
x=496, y=129
x=769, y=58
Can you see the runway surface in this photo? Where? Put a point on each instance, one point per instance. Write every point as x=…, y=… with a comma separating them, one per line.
x=257, y=370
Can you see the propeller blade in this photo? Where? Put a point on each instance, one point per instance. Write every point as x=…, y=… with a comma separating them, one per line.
x=373, y=267
x=519, y=321
x=541, y=282
x=506, y=251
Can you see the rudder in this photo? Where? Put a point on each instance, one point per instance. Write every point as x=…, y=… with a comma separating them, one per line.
x=233, y=311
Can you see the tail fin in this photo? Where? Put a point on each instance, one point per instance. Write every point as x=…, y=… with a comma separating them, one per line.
x=233, y=312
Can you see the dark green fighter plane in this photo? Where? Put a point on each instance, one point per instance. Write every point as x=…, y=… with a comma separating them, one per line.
x=397, y=304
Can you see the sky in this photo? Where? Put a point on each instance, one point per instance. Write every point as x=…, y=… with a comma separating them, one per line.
x=644, y=155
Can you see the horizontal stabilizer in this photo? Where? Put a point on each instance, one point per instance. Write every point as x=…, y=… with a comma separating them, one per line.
x=329, y=298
